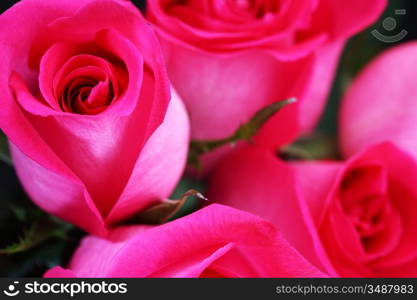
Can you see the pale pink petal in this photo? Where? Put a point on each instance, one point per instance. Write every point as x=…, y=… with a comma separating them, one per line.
x=166, y=150
x=381, y=104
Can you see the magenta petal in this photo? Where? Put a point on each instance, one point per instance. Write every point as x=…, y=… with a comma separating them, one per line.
x=165, y=150
x=84, y=158
x=215, y=240
x=239, y=85
x=63, y=196
x=254, y=180
x=316, y=181
x=59, y=272
x=342, y=19
x=371, y=179
x=315, y=97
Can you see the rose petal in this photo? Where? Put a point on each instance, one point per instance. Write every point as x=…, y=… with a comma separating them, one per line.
x=215, y=237
x=380, y=104
x=256, y=181
x=165, y=150
x=346, y=18
x=66, y=198
x=223, y=82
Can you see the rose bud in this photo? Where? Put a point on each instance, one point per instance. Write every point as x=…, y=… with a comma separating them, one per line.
x=216, y=241
x=228, y=59
x=94, y=133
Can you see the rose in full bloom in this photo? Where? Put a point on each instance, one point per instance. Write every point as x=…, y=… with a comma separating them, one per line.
x=85, y=103
x=227, y=59
x=381, y=103
x=363, y=210
x=216, y=241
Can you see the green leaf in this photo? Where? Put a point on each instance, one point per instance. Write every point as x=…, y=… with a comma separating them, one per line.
x=313, y=147
x=27, y=241
x=245, y=132
x=192, y=203
x=4, y=150
x=166, y=210
x=186, y=184
x=35, y=261
x=39, y=231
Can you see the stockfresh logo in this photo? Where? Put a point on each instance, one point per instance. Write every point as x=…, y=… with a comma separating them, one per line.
x=12, y=289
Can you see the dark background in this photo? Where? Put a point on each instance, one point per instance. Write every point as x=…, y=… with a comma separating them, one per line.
x=17, y=214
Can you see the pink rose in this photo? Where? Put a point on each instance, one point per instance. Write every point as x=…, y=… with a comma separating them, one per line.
x=381, y=104
x=216, y=241
x=362, y=211
x=228, y=59
x=86, y=106
x=365, y=211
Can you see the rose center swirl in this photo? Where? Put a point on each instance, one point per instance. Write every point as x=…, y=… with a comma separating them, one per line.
x=253, y=8
x=364, y=200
